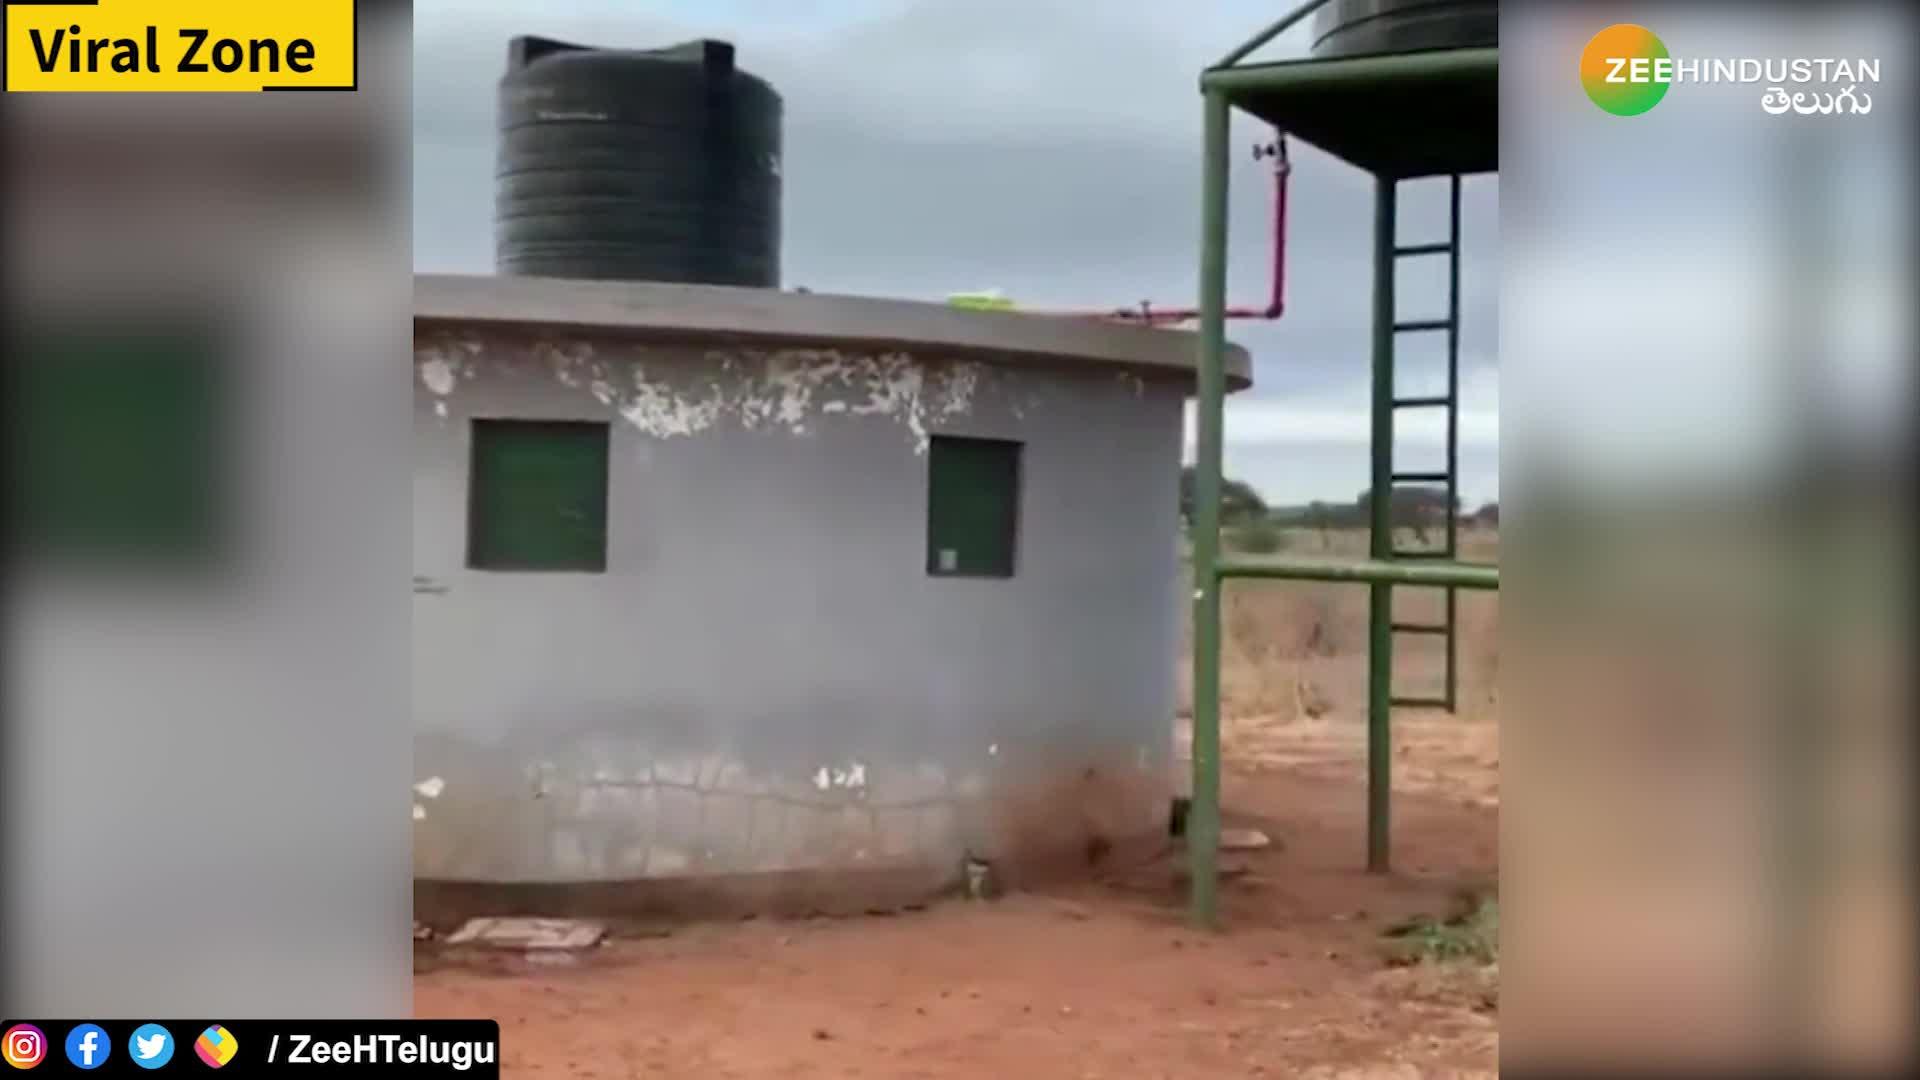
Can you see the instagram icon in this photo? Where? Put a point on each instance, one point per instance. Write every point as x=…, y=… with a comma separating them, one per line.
x=26, y=1045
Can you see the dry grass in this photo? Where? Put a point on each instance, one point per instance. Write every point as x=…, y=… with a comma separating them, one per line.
x=1470, y=934
x=1293, y=696
x=1298, y=650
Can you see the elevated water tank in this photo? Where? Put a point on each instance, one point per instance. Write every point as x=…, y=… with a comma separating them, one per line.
x=1371, y=27
x=648, y=165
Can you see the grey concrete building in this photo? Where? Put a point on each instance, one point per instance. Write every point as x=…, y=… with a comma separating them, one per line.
x=738, y=585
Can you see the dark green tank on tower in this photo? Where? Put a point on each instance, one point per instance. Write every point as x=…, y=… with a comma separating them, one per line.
x=646, y=165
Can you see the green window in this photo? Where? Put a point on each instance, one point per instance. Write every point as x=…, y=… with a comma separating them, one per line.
x=973, y=507
x=537, y=498
x=118, y=446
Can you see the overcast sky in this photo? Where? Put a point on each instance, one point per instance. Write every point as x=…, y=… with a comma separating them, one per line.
x=1048, y=148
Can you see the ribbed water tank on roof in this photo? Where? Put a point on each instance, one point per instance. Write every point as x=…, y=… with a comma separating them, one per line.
x=649, y=165
x=1371, y=27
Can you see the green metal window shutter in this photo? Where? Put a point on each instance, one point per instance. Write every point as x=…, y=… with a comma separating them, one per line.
x=538, y=496
x=118, y=447
x=973, y=507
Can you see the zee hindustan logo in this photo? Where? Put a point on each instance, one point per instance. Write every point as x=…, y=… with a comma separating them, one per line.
x=1627, y=70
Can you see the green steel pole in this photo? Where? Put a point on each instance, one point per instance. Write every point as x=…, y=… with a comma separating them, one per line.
x=1350, y=72
x=1380, y=599
x=1370, y=572
x=1453, y=437
x=1203, y=819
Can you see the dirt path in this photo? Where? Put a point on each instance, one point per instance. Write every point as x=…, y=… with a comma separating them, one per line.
x=1102, y=980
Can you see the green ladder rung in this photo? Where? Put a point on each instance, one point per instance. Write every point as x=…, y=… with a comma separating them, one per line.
x=1422, y=477
x=1418, y=325
x=1439, y=247
x=1437, y=401
x=1420, y=628
x=1421, y=703
x=1434, y=553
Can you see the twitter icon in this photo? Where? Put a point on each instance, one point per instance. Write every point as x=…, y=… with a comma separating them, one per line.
x=150, y=1046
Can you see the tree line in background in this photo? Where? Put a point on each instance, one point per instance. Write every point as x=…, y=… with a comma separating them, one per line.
x=1257, y=525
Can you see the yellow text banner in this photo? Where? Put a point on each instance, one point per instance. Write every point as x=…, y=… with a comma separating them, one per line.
x=181, y=45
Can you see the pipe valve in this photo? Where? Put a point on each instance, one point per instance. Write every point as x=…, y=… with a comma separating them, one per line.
x=1276, y=150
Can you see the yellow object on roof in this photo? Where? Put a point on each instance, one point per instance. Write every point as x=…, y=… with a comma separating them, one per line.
x=985, y=300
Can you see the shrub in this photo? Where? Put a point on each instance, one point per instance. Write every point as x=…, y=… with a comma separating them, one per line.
x=1471, y=934
x=1259, y=538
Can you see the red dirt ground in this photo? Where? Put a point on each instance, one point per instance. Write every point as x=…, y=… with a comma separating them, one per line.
x=1101, y=979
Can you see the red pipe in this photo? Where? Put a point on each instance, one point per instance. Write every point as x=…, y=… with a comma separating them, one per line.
x=1276, y=304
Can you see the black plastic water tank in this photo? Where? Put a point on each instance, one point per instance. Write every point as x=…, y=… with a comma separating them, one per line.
x=657, y=165
x=1371, y=27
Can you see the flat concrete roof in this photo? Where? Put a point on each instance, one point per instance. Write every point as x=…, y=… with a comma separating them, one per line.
x=668, y=312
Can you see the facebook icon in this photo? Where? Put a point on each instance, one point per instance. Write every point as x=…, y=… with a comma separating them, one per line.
x=87, y=1046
